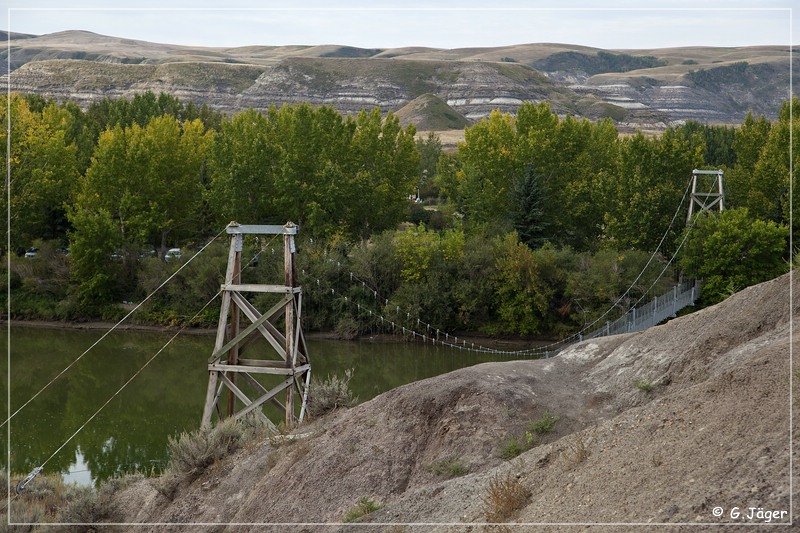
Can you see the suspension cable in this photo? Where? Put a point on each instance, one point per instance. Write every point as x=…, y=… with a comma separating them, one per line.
x=538, y=349
x=656, y=280
x=129, y=380
x=586, y=327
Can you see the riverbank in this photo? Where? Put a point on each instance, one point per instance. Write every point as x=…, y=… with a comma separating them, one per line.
x=96, y=325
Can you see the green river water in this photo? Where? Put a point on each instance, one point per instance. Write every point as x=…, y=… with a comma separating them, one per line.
x=131, y=432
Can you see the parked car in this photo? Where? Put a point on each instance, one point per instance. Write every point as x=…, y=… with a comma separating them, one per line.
x=173, y=254
x=31, y=252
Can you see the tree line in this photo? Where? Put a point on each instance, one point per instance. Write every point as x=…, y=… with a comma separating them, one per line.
x=533, y=226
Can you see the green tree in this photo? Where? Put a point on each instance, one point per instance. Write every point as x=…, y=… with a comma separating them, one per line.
x=43, y=171
x=654, y=174
x=529, y=213
x=328, y=173
x=386, y=163
x=146, y=183
x=719, y=142
x=731, y=251
x=429, y=149
x=768, y=194
x=529, y=286
x=742, y=187
x=489, y=166
x=244, y=166
x=575, y=158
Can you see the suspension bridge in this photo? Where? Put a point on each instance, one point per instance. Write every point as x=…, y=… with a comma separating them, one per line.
x=291, y=361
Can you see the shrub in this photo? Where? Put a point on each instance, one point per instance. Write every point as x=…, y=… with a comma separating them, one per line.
x=191, y=453
x=448, y=467
x=48, y=499
x=364, y=507
x=347, y=329
x=644, y=385
x=512, y=448
x=505, y=496
x=733, y=250
x=515, y=445
x=330, y=393
x=91, y=507
x=115, y=484
x=543, y=425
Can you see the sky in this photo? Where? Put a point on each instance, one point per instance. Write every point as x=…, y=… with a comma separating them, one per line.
x=614, y=24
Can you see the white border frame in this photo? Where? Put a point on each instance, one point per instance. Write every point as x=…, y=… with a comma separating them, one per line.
x=789, y=10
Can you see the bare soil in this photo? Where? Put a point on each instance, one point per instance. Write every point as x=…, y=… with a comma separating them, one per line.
x=657, y=427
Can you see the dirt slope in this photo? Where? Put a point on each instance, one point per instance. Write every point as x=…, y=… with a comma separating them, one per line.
x=713, y=431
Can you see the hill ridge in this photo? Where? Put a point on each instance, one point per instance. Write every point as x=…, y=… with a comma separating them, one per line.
x=646, y=89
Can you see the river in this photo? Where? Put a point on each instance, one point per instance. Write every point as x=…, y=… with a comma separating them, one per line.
x=131, y=432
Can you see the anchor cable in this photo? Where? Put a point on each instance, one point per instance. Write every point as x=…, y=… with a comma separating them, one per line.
x=123, y=319
x=38, y=469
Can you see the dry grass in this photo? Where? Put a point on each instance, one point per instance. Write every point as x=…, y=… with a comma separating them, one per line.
x=48, y=499
x=575, y=453
x=449, y=467
x=504, y=497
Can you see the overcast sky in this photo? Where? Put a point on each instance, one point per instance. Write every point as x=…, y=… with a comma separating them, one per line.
x=443, y=24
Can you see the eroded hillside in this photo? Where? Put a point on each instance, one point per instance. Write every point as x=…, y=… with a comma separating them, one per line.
x=658, y=426
x=638, y=89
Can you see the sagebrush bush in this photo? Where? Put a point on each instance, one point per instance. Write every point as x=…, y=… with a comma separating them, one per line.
x=191, y=453
x=347, y=329
x=575, y=452
x=91, y=506
x=330, y=393
x=48, y=499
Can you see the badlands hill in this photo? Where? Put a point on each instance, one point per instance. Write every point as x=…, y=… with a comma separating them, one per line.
x=657, y=426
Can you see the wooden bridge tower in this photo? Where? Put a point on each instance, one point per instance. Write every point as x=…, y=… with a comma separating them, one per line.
x=289, y=360
x=706, y=201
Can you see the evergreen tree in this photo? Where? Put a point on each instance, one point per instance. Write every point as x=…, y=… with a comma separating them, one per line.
x=529, y=214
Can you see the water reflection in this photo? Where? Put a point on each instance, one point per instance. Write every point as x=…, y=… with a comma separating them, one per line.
x=131, y=432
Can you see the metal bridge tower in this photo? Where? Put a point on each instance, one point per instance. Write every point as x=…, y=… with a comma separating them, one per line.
x=290, y=362
x=706, y=201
